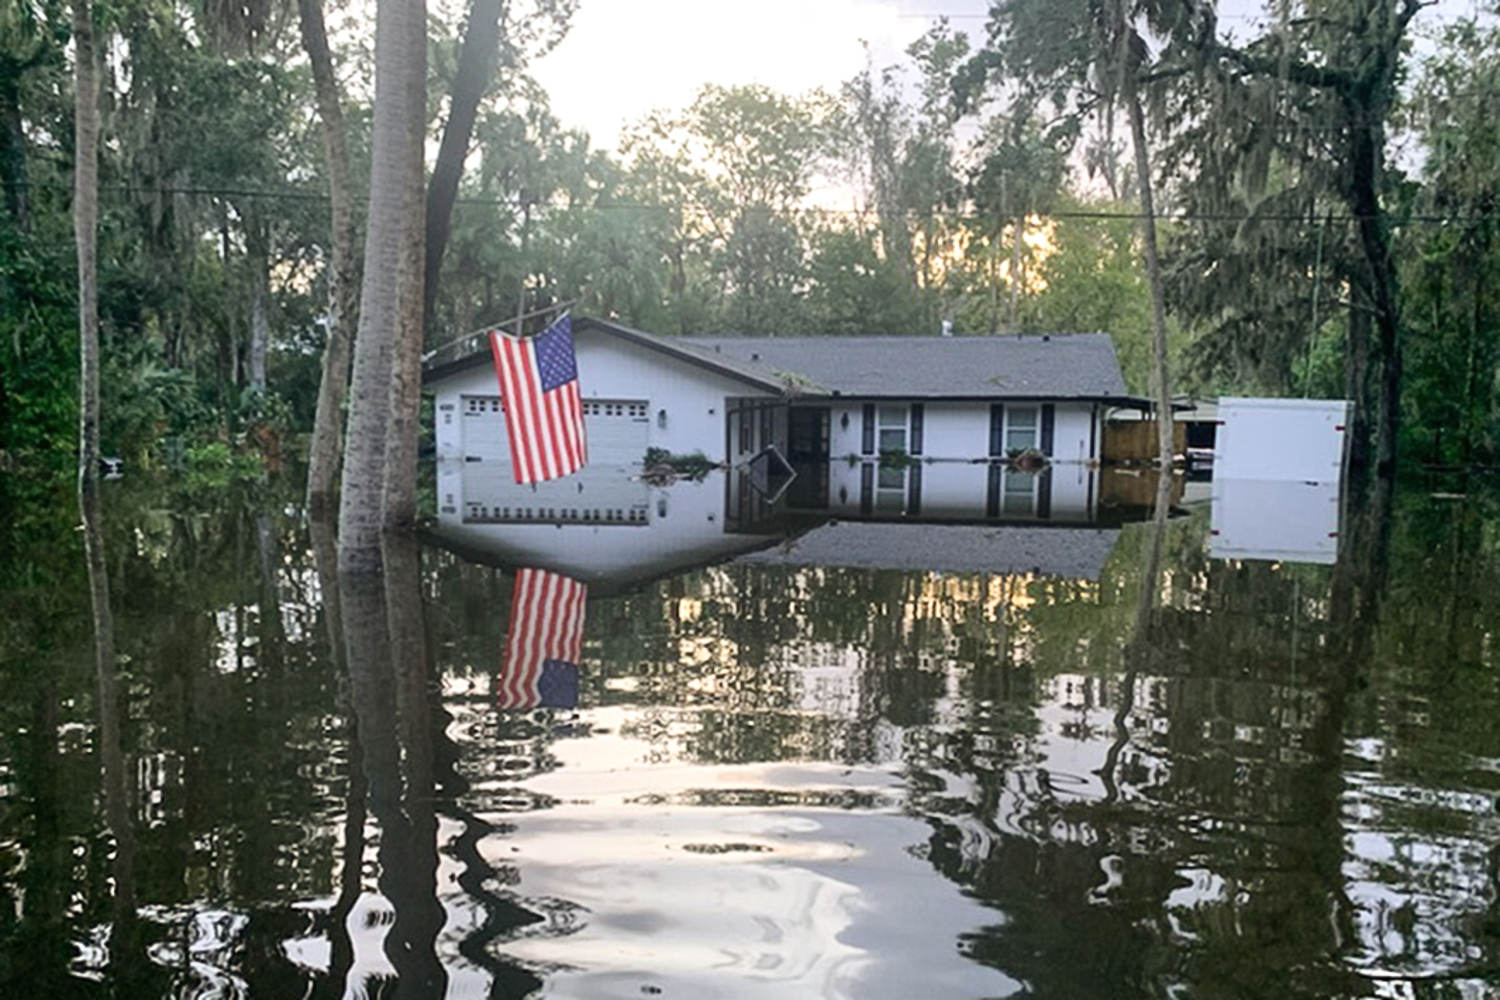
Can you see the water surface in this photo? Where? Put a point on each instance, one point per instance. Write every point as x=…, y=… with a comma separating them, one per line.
x=776, y=776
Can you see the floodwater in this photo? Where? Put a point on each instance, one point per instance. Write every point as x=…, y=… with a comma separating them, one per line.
x=802, y=770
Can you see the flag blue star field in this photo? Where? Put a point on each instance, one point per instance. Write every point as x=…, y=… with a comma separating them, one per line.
x=543, y=643
x=543, y=409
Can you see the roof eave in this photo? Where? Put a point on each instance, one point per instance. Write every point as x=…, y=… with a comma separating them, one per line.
x=441, y=371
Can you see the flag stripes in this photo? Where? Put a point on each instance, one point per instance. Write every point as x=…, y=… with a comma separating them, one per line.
x=545, y=632
x=544, y=422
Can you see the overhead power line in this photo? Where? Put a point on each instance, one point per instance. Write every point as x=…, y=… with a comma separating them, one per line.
x=292, y=194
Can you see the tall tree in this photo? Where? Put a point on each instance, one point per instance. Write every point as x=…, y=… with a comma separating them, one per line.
x=1330, y=69
x=1094, y=57
x=477, y=59
x=1021, y=174
x=400, y=58
x=86, y=235
x=258, y=260
x=343, y=282
x=399, y=486
x=496, y=34
x=1454, y=345
x=86, y=229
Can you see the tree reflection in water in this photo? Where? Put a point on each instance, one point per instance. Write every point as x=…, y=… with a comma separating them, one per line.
x=1216, y=778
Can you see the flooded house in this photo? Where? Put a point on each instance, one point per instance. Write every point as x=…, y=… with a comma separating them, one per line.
x=872, y=426
x=898, y=457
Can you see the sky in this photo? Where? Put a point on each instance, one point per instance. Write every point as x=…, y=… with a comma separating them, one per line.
x=624, y=58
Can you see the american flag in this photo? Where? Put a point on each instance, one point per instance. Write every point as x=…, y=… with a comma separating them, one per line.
x=544, y=642
x=543, y=412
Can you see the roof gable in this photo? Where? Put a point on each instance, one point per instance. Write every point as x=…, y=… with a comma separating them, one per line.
x=474, y=350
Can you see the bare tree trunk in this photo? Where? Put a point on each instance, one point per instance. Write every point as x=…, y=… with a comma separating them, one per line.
x=1471, y=374
x=1159, y=384
x=258, y=257
x=1366, y=169
x=475, y=73
x=85, y=230
x=343, y=283
x=1357, y=378
x=1015, y=272
x=86, y=234
x=399, y=490
x=399, y=55
x=995, y=281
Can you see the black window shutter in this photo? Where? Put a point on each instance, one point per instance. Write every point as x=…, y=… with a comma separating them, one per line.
x=916, y=428
x=997, y=428
x=992, y=492
x=866, y=488
x=914, y=490
x=1049, y=416
x=1044, y=495
x=867, y=446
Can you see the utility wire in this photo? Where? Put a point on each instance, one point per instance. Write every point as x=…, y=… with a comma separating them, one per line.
x=1084, y=214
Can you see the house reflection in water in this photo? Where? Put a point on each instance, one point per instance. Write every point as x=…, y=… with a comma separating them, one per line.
x=608, y=528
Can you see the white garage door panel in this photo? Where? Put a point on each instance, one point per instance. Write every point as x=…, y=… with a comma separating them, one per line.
x=600, y=496
x=617, y=430
x=605, y=491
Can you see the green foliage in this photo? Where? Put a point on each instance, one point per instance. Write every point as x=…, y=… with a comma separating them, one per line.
x=216, y=465
x=701, y=222
x=1453, y=352
x=694, y=467
x=38, y=353
x=897, y=458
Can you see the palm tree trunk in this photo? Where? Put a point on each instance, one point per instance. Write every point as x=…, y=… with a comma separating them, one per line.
x=343, y=281
x=1159, y=384
x=399, y=56
x=85, y=233
x=85, y=230
x=399, y=488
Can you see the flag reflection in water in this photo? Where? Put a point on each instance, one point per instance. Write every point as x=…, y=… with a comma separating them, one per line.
x=544, y=642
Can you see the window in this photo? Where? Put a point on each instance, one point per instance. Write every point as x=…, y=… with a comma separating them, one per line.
x=890, y=491
x=892, y=428
x=1020, y=428
x=1019, y=492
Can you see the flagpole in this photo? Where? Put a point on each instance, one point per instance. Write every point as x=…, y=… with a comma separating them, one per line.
x=521, y=289
x=559, y=307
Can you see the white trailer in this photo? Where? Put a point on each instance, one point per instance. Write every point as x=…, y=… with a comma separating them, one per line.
x=1291, y=440
x=1278, y=475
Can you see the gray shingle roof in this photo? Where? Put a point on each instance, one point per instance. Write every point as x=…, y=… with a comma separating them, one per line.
x=1071, y=553
x=1067, y=365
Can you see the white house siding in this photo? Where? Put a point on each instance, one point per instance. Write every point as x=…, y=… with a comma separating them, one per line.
x=664, y=528
x=960, y=491
x=962, y=429
x=684, y=402
x=1073, y=431
x=956, y=430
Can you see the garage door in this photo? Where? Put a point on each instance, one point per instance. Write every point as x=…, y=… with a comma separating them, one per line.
x=617, y=430
x=604, y=492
